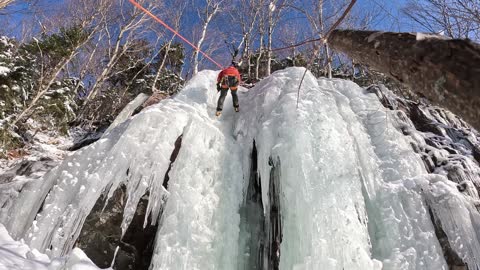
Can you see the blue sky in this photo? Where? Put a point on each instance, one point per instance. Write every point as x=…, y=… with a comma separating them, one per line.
x=395, y=20
x=392, y=18
x=11, y=18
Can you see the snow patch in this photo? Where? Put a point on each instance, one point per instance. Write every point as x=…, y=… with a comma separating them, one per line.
x=4, y=71
x=424, y=36
x=374, y=35
x=16, y=255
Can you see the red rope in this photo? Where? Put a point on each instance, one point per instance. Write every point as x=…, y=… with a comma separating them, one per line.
x=173, y=31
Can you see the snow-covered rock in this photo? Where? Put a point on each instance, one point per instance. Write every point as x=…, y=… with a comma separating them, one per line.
x=15, y=255
x=4, y=71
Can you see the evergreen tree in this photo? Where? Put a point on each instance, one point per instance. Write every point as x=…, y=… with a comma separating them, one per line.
x=22, y=67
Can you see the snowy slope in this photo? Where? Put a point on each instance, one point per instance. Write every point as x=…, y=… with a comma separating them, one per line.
x=341, y=187
x=17, y=255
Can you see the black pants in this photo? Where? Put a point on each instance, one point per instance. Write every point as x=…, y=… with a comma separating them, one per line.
x=223, y=94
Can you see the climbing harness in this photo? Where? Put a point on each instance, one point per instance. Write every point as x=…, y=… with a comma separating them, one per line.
x=229, y=81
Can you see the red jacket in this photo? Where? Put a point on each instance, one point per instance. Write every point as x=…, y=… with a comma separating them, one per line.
x=230, y=71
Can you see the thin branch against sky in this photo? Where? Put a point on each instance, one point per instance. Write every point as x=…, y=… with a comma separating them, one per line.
x=368, y=14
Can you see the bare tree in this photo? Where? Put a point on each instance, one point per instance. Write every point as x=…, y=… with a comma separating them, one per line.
x=22, y=19
x=455, y=19
x=275, y=11
x=246, y=13
x=322, y=15
x=86, y=63
x=212, y=7
x=128, y=25
x=23, y=10
x=4, y=3
x=48, y=75
x=288, y=36
x=261, y=34
x=176, y=17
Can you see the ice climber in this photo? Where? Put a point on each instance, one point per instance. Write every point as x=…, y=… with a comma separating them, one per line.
x=228, y=78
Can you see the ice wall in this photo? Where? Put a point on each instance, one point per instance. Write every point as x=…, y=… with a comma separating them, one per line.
x=17, y=255
x=402, y=233
x=339, y=180
x=324, y=220
x=345, y=162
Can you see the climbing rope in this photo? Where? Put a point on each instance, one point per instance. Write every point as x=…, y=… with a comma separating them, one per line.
x=325, y=37
x=324, y=40
x=136, y=4
x=297, y=44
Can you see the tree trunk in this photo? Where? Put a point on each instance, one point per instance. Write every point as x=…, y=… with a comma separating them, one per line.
x=118, y=51
x=446, y=71
x=44, y=89
x=269, y=42
x=196, y=60
x=269, y=55
x=329, y=61
x=164, y=60
x=4, y=3
x=259, y=60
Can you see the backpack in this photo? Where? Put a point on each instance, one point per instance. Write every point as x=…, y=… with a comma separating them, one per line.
x=231, y=81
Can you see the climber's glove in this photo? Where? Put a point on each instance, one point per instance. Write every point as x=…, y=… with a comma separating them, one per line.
x=219, y=87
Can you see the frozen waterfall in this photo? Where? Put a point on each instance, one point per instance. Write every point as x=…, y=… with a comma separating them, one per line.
x=332, y=184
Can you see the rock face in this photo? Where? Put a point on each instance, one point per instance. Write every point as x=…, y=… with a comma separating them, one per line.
x=253, y=219
x=87, y=139
x=263, y=229
x=155, y=98
x=134, y=107
x=274, y=232
x=447, y=145
x=102, y=235
x=28, y=168
x=14, y=179
x=450, y=143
